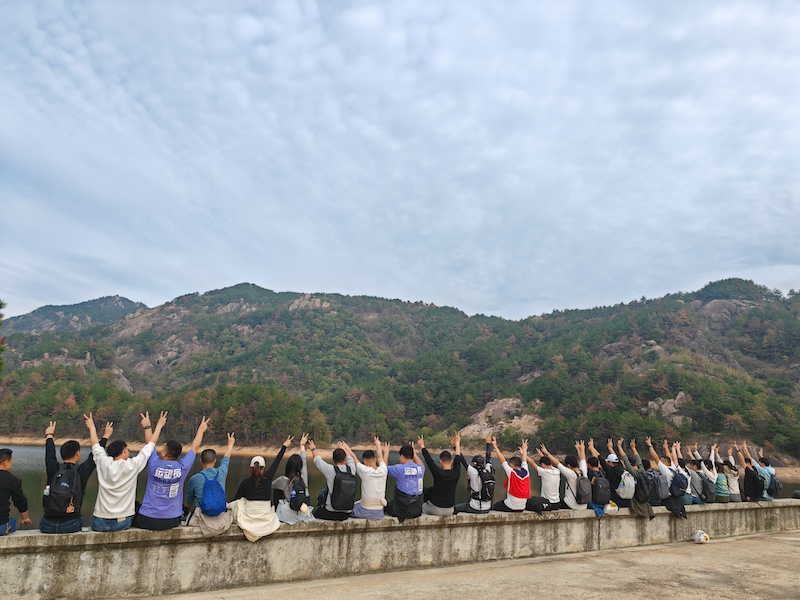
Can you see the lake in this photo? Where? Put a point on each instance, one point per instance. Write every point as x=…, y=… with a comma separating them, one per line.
x=29, y=466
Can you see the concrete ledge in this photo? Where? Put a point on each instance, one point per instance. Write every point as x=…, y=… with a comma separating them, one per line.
x=141, y=563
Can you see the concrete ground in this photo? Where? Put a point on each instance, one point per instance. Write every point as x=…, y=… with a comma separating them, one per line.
x=753, y=567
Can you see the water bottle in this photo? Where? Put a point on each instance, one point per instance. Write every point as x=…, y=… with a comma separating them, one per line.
x=46, y=490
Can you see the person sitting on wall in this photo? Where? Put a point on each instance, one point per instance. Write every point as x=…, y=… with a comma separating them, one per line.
x=251, y=507
x=518, y=479
x=446, y=474
x=66, y=483
x=11, y=491
x=574, y=465
x=210, y=515
x=480, y=481
x=337, y=499
x=116, y=475
x=290, y=490
x=408, y=474
x=373, y=472
x=550, y=477
x=761, y=467
x=162, y=506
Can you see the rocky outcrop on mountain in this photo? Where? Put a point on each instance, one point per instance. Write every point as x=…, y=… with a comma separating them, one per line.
x=668, y=409
x=62, y=359
x=498, y=415
x=307, y=301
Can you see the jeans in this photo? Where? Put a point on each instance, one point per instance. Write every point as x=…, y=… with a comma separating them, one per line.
x=99, y=524
x=9, y=527
x=72, y=526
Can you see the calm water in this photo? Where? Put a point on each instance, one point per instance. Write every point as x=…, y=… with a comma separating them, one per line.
x=29, y=466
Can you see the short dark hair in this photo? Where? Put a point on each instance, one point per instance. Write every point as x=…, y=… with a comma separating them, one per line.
x=545, y=460
x=709, y=465
x=406, y=451
x=593, y=462
x=368, y=455
x=69, y=449
x=115, y=448
x=681, y=463
x=208, y=456
x=747, y=461
x=571, y=461
x=446, y=456
x=764, y=461
x=339, y=456
x=515, y=461
x=646, y=464
x=174, y=449
x=5, y=454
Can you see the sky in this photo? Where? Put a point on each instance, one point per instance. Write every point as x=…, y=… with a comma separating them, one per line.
x=504, y=158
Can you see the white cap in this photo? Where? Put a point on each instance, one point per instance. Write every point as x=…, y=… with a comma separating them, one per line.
x=612, y=458
x=258, y=460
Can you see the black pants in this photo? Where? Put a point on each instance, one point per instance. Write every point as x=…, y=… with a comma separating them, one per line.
x=143, y=522
x=467, y=508
x=503, y=507
x=404, y=506
x=321, y=512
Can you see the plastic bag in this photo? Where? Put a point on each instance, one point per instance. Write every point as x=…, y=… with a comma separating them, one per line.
x=701, y=537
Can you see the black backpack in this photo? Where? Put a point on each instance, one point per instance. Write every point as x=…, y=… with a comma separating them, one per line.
x=659, y=487
x=708, y=490
x=297, y=493
x=65, y=496
x=486, y=494
x=678, y=486
x=754, y=485
x=643, y=488
x=583, y=489
x=601, y=489
x=775, y=486
x=343, y=495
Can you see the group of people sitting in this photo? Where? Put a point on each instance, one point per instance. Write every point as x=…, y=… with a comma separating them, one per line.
x=263, y=501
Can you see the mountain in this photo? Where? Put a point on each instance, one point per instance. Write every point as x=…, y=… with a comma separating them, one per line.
x=722, y=361
x=74, y=317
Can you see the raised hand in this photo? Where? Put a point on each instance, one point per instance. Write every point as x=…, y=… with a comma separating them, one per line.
x=591, y=444
x=162, y=418
x=288, y=442
x=494, y=441
x=109, y=430
x=610, y=445
x=649, y=441
x=203, y=424
x=231, y=439
x=633, y=444
x=145, y=419
x=421, y=442
x=50, y=429
x=488, y=438
x=89, y=421
x=303, y=439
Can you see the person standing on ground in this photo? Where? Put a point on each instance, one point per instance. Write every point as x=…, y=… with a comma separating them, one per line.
x=373, y=472
x=445, y=479
x=220, y=521
x=11, y=491
x=64, y=494
x=116, y=476
x=481, y=482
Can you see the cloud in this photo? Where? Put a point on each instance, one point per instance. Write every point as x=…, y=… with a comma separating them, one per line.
x=501, y=159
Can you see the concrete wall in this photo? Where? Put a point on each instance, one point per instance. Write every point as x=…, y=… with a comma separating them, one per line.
x=138, y=563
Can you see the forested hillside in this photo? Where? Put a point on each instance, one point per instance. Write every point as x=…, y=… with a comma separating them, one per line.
x=264, y=363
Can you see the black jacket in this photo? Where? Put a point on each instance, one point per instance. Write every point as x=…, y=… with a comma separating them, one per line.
x=85, y=470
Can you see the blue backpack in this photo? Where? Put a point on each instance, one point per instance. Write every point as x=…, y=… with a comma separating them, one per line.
x=213, y=502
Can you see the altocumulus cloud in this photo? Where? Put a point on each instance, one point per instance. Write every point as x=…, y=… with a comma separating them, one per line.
x=503, y=158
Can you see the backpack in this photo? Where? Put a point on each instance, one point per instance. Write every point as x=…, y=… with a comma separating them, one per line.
x=297, y=493
x=775, y=486
x=583, y=489
x=708, y=489
x=343, y=495
x=659, y=487
x=754, y=485
x=486, y=494
x=678, y=486
x=627, y=486
x=213, y=502
x=601, y=489
x=65, y=496
x=643, y=488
